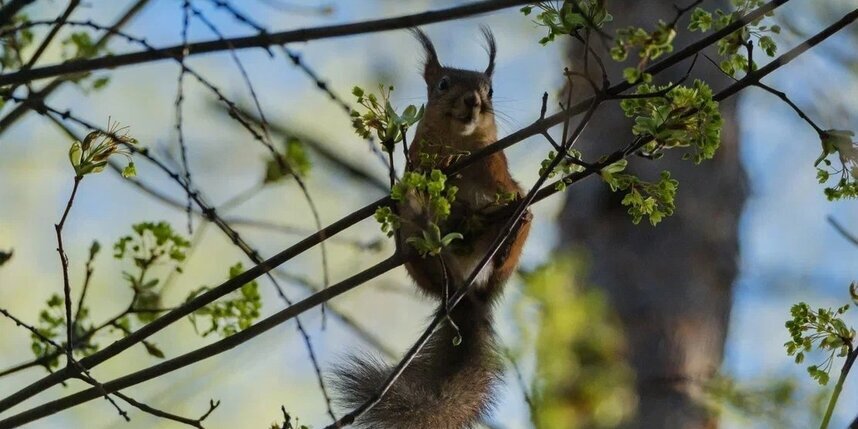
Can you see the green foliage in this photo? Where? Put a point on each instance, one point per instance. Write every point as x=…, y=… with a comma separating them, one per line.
x=381, y=118
x=838, y=142
x=568, y=17
x=79, y=45
x=739, y=41
x=389, y=221
x=504, y=198
x=92, y=155
x=582, y=380
x=564, y=168
x=650, y=46
x=681, y=117
x=100, y=82
x=770, y=400
x=12, y=43
x=701, y=20
x=52, y=325
x=151, y=245
x=822, y=329
x=233, y=313
x=644, y=199
x=430, y=192
x=293, y=160
x=431, y=242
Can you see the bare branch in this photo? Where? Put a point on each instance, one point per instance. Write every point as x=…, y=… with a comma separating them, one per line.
x=20, y=110
x=259, y=41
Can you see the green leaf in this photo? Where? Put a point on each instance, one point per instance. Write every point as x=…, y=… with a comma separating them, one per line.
x=75, y=154
x=450, y=237
x=100, y=82
x=631, y=74
x=129, y=171
x=701, y=20
x=230, y=314
x=381, y=119
x=654, y=201
x=153, y=350
x=84, y=46
x=767, y=44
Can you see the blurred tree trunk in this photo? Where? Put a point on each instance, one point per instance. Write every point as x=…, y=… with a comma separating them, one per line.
x=671, y=284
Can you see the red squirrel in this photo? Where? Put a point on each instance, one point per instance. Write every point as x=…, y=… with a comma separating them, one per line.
x=449, y=385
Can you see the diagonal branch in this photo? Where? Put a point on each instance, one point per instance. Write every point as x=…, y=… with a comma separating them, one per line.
x=260, y=40
x=8, y=11
x=73, y=4
x=20, y=110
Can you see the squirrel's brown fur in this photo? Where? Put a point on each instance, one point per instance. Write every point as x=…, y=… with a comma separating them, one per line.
x=449, y=386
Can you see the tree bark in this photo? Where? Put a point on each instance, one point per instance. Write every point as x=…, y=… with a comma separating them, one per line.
x=670, y=284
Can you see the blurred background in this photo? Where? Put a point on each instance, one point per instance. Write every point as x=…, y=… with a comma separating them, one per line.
x=754, y=242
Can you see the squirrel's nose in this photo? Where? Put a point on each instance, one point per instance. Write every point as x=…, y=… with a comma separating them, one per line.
x=471, y=100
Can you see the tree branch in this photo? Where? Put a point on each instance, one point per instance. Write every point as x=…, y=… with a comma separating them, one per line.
x=64, y=261
x=20, y=110
x=258, y=41
x=11, y=9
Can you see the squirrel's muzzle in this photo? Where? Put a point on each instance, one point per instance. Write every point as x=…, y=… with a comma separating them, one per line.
x=471, y=100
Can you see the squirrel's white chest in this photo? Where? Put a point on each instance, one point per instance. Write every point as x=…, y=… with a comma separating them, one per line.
x=467, y=264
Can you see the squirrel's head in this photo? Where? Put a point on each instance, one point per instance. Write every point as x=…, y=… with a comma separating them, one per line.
x=459, y=99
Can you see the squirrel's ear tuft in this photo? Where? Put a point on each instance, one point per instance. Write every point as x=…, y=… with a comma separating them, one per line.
x=491, y=47
x=432, y=67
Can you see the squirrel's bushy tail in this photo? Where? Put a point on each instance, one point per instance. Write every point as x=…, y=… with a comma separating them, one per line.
x=445, y=387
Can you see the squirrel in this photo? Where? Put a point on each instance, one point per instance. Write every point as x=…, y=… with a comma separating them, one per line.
x=450, y=383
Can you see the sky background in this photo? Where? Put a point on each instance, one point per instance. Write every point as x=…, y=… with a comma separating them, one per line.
x=789, y=252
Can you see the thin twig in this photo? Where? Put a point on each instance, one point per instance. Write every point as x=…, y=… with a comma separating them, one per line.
x=261, y=40
x=19, y=111
x=786, y=99
x=64, y=261
x=843, y=231
x=179, y=103
x=86, y=280
x=680, y=11
x=73, y=4
x=71, y=361
x=525, y=391
x=12, y=8
x=88, y=378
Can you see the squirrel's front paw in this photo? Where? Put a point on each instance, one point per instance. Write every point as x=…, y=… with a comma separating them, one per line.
x=504, y=251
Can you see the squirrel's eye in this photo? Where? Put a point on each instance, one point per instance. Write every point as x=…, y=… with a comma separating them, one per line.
x=444, y=84
x=491, y=91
